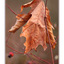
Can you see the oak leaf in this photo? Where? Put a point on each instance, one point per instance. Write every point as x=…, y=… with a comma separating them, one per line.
x=35, y=29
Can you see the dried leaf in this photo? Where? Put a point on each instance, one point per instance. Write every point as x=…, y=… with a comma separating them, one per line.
x=20, y=22
x=34, y=30
x=35, y=35
x=50, y=31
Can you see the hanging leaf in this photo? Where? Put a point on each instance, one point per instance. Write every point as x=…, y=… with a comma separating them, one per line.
x=21, y=20
x=50, y=31
x=35, y=29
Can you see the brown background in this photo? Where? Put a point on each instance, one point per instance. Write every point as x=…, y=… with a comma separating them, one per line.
x=15, y=38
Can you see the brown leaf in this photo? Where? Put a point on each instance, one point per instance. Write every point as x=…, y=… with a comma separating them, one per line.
x=50, y=31
x=20, y=22
x=34, y=30
x=35, y=35
x=33, y=4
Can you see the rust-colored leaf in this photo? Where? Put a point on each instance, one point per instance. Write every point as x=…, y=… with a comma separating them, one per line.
x=20, y=22
x=50, y=31
x=35, y=29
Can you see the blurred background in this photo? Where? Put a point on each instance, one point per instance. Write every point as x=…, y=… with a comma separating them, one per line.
x=16, y=42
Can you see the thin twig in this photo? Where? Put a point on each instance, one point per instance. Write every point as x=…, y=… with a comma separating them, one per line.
x=28, y=54
x=8, y=37
x=40, y=58
x=22, y=52
x=14, y=12
x=45, y=19
x=31, y=59
x=13, y=49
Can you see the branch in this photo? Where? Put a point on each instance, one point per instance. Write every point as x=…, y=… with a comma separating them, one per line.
x=45, y=20
x=14, y=12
